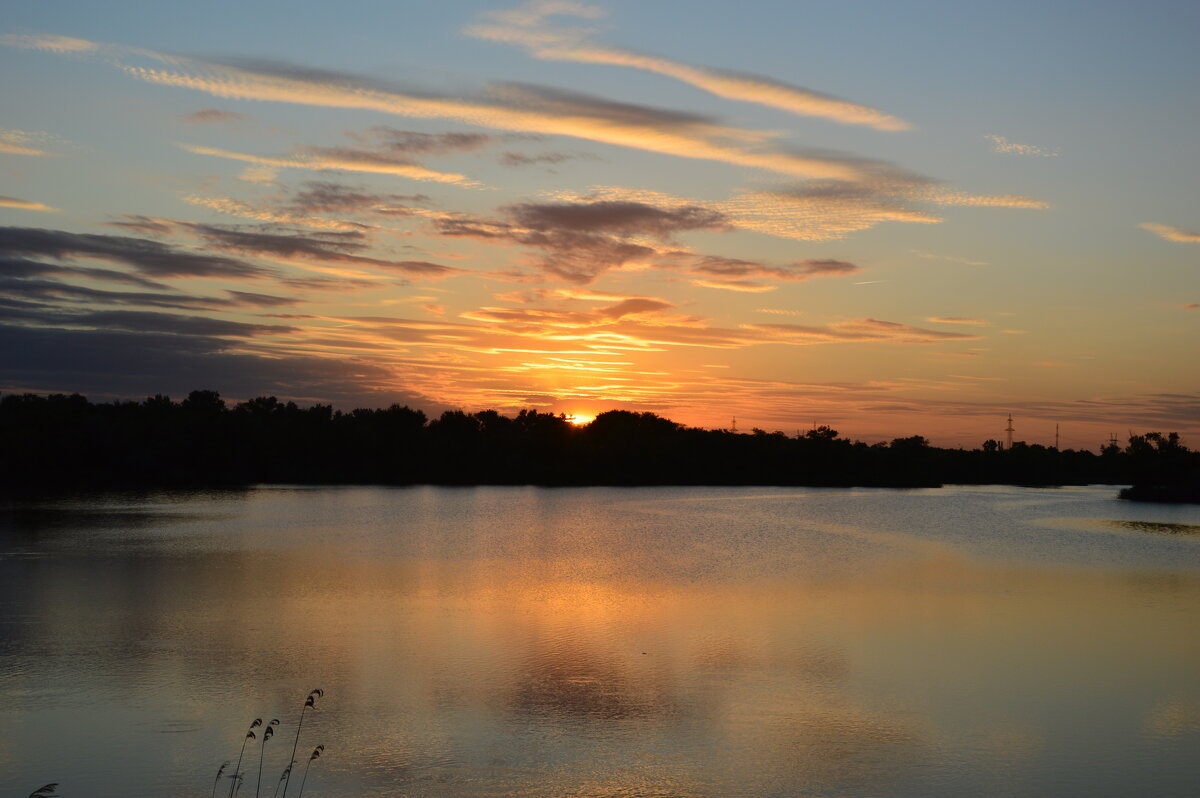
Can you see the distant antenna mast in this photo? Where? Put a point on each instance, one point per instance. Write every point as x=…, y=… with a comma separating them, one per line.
x=1009, y=429
x=733, y=428
x=1055, y=436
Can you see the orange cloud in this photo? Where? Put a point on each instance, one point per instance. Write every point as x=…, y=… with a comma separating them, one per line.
x=1171, y=233
x=25, y=205
x=340, y=159
x=16, y=142
x=957, y=320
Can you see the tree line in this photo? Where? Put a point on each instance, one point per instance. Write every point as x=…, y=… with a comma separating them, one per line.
x=67, y=442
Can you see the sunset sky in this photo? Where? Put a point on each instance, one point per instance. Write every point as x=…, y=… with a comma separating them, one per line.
x=894, y=218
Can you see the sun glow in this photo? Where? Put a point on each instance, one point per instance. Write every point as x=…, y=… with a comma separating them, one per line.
x=580, y=419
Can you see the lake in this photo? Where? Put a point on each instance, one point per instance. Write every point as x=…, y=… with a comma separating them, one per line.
x=505, y=641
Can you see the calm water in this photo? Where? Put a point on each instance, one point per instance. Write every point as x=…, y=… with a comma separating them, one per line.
x=604, y=642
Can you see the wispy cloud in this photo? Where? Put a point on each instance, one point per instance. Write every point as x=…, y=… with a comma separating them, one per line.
x=527, y=26
x=1003, y=145
x=245, y=210
x=512, y=107
x=23, y=268
x=315, y=251
x=778, y=311
x=858, y=330
x=413, y=142
x=25, y=205
x=209, y=116
x=741, y=286
x=820, y=210
x=735, y=274
x=342, y=159
x=152, y=258
x=546, y=159
x=957, y=320
x=29, y=288
x=17, y=142
x=51, y=43
x=984, y=200
x=1171, y=233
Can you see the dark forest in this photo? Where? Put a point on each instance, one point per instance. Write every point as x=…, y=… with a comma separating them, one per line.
x=65, y=442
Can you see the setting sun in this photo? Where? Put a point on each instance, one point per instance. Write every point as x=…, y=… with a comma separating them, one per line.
x=580, y=419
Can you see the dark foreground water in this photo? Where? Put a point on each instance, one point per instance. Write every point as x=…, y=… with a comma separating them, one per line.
x=604, y=642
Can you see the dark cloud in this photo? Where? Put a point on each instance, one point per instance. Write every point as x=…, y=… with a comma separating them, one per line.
x=328, y=197
x=19, y=267
x=516, y=159
x=289, y=244
x=353, y=156
x=737, y=269
x=138, y=321
x=619, y=218
x=146, y=225
x=582, y=240
x=212, y=115
x=325, y=247
x=135, y=365
x=54, y=290
x=563, y=103
x=633, y=305
x=411, y=141
x=261, y=300
x=146, y=321
x=328, y=283
x=149, y=257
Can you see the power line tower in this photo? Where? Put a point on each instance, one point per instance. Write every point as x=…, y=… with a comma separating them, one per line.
x=1009, y=429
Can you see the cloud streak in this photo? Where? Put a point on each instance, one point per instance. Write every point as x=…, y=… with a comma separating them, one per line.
x=1003, y=145
x=512, y=107
x=1171, y=233
x=341, y=159
x=527, y=27
x=958, y=320
x=319, y=249
x=17, y=142
x=210, y=116
x=25, y=205
x=151, y=258
x=819, y=210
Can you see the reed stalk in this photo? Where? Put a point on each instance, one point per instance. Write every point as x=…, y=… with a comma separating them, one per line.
x=262, y=749
x=315, y=755
x=217, y=780
x=237, y=771
x=311, y=701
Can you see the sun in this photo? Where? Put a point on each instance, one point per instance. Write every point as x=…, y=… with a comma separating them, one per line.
x=580, y=419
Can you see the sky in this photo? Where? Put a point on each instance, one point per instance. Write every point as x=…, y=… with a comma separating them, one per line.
x=892, y=218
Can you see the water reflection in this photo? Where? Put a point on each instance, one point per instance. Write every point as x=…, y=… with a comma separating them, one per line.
x=1158, y=527
x=543, y=643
